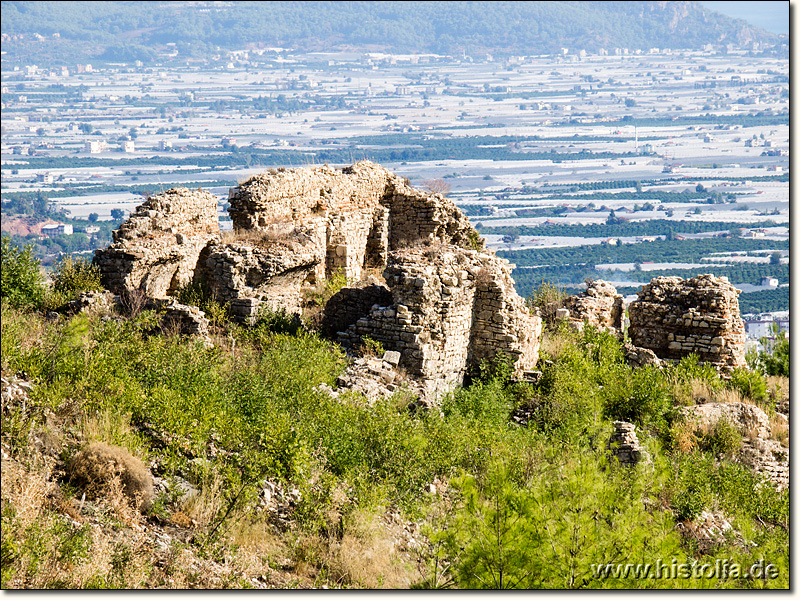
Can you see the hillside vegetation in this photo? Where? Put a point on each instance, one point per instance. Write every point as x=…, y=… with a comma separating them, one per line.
x=127, y=31
x=264, y=481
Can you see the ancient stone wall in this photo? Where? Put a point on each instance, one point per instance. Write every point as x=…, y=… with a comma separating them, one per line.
x=252, y=271
x=600, y=305
x=759, y=451
x=451, y=308
x=675, y=317
x=363, y=212
x=157, y=248
x=349, y=304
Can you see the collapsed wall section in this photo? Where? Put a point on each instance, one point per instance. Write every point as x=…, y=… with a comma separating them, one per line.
x=262, y=269
x=157, y=248
x=674, y=318
x=450, y=309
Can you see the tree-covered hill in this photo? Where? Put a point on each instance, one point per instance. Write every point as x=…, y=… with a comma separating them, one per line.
x=126, y=30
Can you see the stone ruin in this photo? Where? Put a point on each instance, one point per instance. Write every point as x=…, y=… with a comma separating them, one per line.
x=599, y=306
x=447, y=304
x=450, y=309
x=759, y=450
x=624, y=444
x=157, y=249
x=675, y=317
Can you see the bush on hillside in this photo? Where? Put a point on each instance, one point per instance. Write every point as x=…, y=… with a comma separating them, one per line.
x=20, y=277
x=74, y=275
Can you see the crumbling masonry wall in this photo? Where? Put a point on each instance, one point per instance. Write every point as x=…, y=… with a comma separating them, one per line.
x=599, y=306
x=262, y=269
x=675, y=317
x=451, y=309
x=158, y=247
x=358, y=214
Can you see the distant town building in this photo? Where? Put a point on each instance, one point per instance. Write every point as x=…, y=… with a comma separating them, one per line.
x=128, y=146
x=95, y=147
x=769, y=282
x=54, y=229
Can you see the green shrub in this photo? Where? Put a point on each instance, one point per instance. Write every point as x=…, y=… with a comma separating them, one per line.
x=278, y=320
x=692, y=490
x=198, y=293
x=690, y=368
x=547, y=298
x=724, y=438
x=776, y=362
x=637, y=395
x=74, y=275
x=20, y=277
x=751, y=384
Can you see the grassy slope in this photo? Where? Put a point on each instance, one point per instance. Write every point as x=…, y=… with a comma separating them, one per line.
x=231, y=417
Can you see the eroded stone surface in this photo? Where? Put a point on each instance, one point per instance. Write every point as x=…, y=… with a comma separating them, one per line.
x=451, y=308
x=251, y=271
x=759, y=451
x=357, y=214
x=674, y=318
x=599, y=306
x=157, y=248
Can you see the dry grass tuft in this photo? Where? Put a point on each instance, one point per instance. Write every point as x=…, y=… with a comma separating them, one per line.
x=204, y=507
x=694, y=391
x=100, y=468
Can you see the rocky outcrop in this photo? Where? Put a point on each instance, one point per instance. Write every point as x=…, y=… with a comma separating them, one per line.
x=157, y=248
x=599, y=306
x=759, y=451
x=451, y=309
x=675, y=318
x=640, y=357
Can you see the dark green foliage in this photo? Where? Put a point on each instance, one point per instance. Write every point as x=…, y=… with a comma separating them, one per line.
x=279, y=320
x=128, y=31
x=776, y=361
x=692, y=491
x=20, y=277
x=638, y=395
x=74, y=275
x=723, y=439
x=751, y=384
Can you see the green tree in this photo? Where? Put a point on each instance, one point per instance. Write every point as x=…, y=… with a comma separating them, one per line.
x=20, y=277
